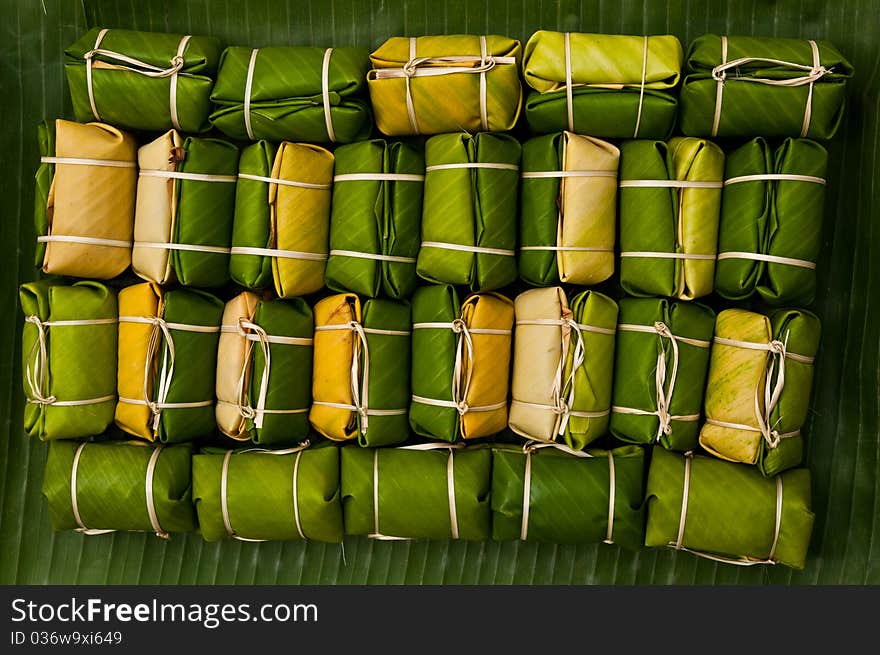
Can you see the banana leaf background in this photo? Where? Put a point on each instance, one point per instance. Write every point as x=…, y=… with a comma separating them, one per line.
x=843, y=442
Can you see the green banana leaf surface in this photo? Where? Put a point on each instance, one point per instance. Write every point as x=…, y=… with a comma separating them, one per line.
x=842, y=450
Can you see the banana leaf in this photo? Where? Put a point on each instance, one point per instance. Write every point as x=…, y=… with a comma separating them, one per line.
x=469, y=214
x=112, y=78
x=460, y=363
x=264, y=369
x=662, y=360
x=574, y=497
x=375, y=218
x=281, y=218
x=728, y=511
x=758, y=86
x=167, y=362
x=279, y=93
x=758, y=391
x=84, y=203
x=441, y=492
x=670, y=202
x=254, y=494
x=68, y=349
x=568, y=209
x=103, y=487
x=445, y=83
x=563, y=360
x=621, y=86
x=770, y=232
x=844, y=479
x=360, y=383
x=185, y=205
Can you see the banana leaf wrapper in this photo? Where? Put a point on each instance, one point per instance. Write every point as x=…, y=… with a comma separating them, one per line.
x=167, y=362
x=670, y=203
x=561, y=387
x=469, y=215
x=622, y=86
x=361, y=379
x=282, y=218
x=593, y=496
x=755, y=84
x=184, y=210
x=84, y=200
x=729, y=512
x=459, y=390
x=296, y=93
x=103, y=487
x=375, y=219
x=568, y=209
x=254, y=494
x=771, y=229
x=125, y=90
x=658, y=384
x=411, y=95
x=264, y=369
x=68, y=347
x=413, y=493
x=757, y=397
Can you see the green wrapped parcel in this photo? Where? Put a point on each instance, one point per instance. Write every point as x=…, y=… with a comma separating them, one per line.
x=662, y=359
x=771, y=221
x=268, y=495
x=142, y=80
x=97, y=487
x=427, y=491
x=292, y=93
x=744, y=86
x=68, y=348
x=728, y=512
x=557, y=495
x=375, y=219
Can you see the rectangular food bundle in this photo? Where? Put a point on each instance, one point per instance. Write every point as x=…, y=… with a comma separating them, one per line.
x=449, y=83
x=568, y=209
x=142, y=80
x=167, y=362
x=771, y=221
x=426, y=491
x=758, y=392
x=460, y=363
x=376, y=217
x=282, y=217
x=607, y=85
x=183, y=216
x=563, y=361
x=670, y=202
x=360, y=383
x=728, y=513
x=549, y=493
x=85, y=194
x=264, y=369
x=101, y=487
x=469, y=214
x=68, y=347
x=260, y=495
x=295, y=93
x=743, y=86
x=660, y=371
